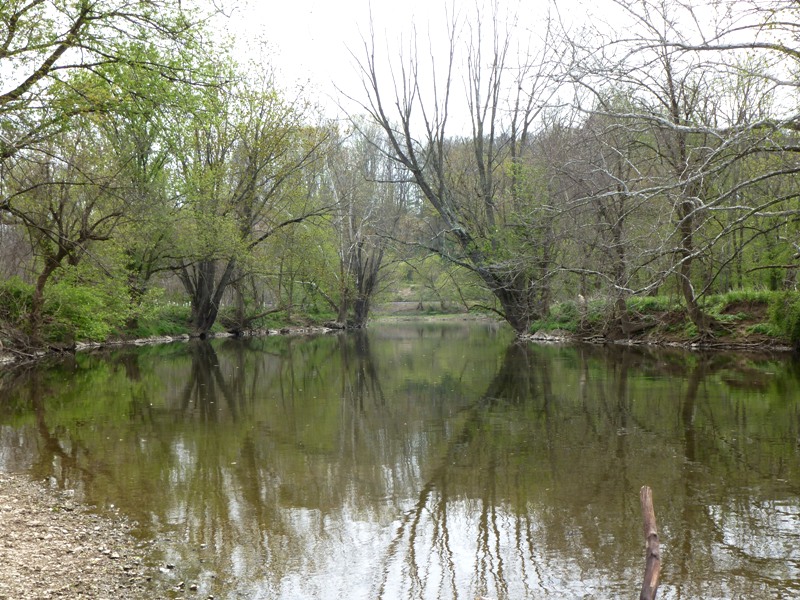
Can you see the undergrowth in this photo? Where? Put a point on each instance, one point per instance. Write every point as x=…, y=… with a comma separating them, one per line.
x=750, y=312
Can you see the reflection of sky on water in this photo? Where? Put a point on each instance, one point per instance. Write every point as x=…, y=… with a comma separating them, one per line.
x=347, y=557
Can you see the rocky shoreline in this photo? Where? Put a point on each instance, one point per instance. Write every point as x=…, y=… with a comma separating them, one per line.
x=760, y=344
x=8, y=357
x=744, y=345
x=52, y=546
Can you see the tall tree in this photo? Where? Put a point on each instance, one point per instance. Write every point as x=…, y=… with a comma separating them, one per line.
x=371, y=204
x=57, y=58
x=66, y=202
x=699, y=131
x=239, y=173
x=463, y=177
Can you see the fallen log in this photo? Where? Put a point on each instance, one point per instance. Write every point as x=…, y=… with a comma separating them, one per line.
x=652, y=546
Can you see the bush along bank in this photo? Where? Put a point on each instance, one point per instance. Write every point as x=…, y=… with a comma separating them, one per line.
x=73, y=325
x=742, y=319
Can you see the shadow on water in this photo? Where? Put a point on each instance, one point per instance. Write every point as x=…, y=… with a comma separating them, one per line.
x=419, y=461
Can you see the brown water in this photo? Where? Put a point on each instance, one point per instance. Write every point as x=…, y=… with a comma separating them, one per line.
x=427, y=461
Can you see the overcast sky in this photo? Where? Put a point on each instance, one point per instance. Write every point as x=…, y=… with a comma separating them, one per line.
x=308, y=40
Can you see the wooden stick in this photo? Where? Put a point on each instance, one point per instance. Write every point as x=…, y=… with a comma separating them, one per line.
x=653, y=551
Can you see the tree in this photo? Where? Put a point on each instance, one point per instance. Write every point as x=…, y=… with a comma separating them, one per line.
x=58, y=57
x=703, y=121
x=73, y=72
x=463, y=178
x=239, y=169
x=614, y=237
x=66, y=203
x=370, y=208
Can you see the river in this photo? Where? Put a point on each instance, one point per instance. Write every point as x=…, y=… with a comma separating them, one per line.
x=427, y=460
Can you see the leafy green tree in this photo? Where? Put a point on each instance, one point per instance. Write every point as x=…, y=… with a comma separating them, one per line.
x=66, y=203
x=239, y=172
x=57, y=58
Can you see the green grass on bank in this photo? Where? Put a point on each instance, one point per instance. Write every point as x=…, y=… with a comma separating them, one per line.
x=742, y=312
x=79, y=312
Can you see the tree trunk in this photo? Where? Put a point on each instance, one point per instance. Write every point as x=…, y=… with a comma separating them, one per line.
x=37, y=301
x=361, y=311
x=696, y=314
x=205, y=293
x=516, y=299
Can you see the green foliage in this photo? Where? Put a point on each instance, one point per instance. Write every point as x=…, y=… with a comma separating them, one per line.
x=273, y=320
x=564, y=316
x=597, y=311
x=767, y=329
x=90, y=301
x=651, y=304
x=784, y=315
x=721, y=304
x=79, y=311
x=15, y=300
x=158, y=318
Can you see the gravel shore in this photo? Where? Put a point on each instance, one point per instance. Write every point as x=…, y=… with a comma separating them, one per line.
x=54, y=547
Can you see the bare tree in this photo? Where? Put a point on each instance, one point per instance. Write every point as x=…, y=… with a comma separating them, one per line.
x=370, y=209
x=703, y=119
x=462, y=172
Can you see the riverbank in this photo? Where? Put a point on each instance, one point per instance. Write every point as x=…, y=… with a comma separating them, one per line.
x=738, y=322
x=8, y=357
x=747, y=321
x=52, y=546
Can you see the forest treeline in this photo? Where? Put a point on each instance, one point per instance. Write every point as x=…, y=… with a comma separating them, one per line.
x=150, y=182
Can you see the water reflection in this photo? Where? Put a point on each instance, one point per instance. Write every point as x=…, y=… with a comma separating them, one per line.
x=418, y=461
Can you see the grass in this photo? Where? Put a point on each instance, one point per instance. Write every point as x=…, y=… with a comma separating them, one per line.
x=652, y=304
x=167, y=319
x=740, y=313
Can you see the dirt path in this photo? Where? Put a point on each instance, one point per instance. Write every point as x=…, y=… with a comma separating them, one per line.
x=54, y=547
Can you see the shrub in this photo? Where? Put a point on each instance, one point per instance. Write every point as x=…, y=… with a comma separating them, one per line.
x=784, y=314
x=162, y=318
x=15, y=300
x=83, y=312
x=564, y=315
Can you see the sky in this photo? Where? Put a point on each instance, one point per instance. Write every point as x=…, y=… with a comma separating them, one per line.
x=311, y=40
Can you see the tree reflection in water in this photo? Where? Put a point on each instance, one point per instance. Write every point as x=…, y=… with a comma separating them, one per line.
x=408, y=462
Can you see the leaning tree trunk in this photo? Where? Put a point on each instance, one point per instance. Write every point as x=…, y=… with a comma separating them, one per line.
x=516, y=297
x=51, y=263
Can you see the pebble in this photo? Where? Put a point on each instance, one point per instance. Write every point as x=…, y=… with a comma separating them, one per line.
x=33, y=525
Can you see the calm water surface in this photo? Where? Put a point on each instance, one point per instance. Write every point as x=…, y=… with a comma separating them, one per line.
x=429, y=461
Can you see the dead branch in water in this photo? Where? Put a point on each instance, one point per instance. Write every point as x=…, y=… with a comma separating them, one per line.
x=652, y=551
